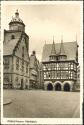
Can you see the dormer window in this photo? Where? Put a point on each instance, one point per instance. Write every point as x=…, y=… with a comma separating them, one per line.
x=12, y=37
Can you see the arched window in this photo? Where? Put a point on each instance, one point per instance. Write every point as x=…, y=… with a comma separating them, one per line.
x=12, y=37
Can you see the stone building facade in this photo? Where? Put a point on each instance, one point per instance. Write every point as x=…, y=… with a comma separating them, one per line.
x=60, y=62
x=16, y=55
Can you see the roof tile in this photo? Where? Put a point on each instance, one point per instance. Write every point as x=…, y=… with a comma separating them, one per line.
x=70, y=50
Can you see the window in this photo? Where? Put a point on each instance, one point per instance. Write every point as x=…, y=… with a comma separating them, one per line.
x=57, y=66
x=69, y=66
x=12, y=37
x=44, y=75
x=23, y=52
x=71, y=75
x=6, y=61
x=27, y=68
x=53, y=74
x=6, y=67
x=22, y=65
x=44, y=67
x=72, y=66
x=17, y=64
x=22, y=68
x=6, y=79
x=49, y=75
x=22, y=62
x=78, y=75
x=58, y=74
x=67, y=74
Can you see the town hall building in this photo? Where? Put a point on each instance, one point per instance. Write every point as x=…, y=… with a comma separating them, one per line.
x=60, y=62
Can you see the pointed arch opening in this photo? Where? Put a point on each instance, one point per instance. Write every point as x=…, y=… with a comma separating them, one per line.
x=50, y=87
x=67, y=87
x=58, y=87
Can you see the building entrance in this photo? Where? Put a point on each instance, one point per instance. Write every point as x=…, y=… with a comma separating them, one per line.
x=58, y=87
x=66, y=87
x=22, y=86
x=49, y=87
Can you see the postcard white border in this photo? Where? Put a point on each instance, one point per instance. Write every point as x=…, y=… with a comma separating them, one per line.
x=44, y=120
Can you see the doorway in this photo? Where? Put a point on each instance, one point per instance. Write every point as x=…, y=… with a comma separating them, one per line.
x=66, y=87
x=58, y=87
x=49, y=87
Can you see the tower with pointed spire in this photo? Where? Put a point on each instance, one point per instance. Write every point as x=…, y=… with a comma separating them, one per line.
x=16, y=23
x=52, y=56
x=62, y=55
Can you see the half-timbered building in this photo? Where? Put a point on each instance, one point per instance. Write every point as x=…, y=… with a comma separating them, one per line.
x=60, y=63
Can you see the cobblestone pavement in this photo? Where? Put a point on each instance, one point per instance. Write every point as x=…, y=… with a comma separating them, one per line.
x=42, y=104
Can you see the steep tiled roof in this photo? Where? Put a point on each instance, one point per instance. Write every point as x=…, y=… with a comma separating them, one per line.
x=70, y=50
x=9, y=47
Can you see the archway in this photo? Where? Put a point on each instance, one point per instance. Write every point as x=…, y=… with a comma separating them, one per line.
x=58, y=87
x=67, y=87
x=50, y=86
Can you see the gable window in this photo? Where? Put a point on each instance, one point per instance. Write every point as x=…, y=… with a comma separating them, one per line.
x=23, y=52
x=22, y=65
x=27, y=68
x=12, y=37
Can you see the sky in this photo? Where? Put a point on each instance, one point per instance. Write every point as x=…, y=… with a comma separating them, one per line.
x=45, y=21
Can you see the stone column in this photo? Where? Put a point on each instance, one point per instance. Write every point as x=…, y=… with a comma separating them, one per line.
x=53, y=87
x=45, y=87
x=62, y=87
x=71, y=88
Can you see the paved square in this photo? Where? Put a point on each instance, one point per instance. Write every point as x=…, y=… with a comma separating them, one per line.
x=42, y=104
